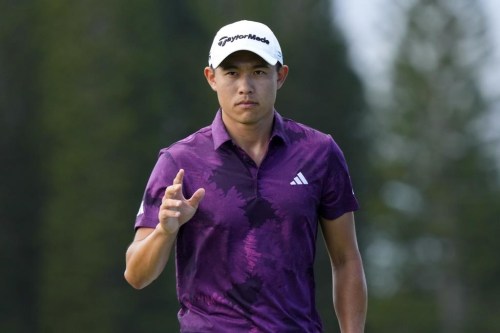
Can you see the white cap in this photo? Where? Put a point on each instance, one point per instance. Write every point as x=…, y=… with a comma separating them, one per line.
x=248, y=36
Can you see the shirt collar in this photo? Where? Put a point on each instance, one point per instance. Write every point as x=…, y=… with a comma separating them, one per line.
x=221, y=136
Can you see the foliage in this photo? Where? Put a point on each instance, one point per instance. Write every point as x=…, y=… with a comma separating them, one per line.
x=436, y=181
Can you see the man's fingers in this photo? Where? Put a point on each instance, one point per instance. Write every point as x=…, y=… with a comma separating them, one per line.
x=169, y=208
x=166, y=213
x=175, y=190
x=178, y=178
x=173, y=204
x=172, y=191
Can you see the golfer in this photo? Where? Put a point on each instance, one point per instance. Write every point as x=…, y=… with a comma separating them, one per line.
x=241, y=201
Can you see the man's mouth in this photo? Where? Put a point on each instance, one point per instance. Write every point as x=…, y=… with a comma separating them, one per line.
x=246, y=103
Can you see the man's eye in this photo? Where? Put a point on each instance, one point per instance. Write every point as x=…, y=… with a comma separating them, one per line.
x=259, y=72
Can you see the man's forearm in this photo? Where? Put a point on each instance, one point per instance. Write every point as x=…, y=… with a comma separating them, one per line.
x=350, y=296
x=146, y=258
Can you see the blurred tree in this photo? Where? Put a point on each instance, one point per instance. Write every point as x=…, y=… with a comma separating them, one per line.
x=104, y=92
x=21, y=191
x=431, y=266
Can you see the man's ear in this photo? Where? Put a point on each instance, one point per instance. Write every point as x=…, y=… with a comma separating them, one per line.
x=210, y=76
x=282, y=74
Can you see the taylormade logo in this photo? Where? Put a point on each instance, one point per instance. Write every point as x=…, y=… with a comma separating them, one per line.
x=225, y=39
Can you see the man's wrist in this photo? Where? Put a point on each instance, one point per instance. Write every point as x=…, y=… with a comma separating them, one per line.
x=169, y=228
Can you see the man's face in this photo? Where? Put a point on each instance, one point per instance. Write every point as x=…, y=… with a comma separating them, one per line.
x=246, y=87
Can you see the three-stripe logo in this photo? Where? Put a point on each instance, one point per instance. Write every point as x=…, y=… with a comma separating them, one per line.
x=299, y=180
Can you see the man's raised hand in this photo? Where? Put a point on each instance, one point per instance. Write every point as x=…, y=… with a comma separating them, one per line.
x=175, y=210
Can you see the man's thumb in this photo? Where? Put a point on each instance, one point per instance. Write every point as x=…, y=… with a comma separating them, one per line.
x=197, y=197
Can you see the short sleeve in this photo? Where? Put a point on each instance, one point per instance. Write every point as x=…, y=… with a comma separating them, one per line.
x=338, y=195
x=162, y=176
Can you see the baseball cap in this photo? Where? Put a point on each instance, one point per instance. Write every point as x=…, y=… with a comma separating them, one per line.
x=245, y=36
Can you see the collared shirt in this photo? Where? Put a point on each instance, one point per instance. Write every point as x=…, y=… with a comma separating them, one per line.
x=245, y=260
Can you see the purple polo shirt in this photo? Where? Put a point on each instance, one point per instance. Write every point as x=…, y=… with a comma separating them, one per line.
x=245, y=260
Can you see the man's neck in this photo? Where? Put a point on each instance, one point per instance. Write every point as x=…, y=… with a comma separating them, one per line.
x=253, y=139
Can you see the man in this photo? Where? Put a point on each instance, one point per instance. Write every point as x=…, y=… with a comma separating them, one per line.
x=242, y=198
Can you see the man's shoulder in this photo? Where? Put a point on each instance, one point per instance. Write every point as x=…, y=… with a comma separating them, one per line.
x=197, y=139
x=297, y=132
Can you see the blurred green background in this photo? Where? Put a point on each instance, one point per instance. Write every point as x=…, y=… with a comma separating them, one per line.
x=91, y=90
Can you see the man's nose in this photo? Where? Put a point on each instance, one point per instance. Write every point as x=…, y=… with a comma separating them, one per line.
x=245, y=84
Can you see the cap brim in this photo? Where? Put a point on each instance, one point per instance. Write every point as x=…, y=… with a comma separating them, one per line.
x=268, y=58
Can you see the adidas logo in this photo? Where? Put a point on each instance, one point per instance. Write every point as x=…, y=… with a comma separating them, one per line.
x=141, y=209
x=299, y=180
